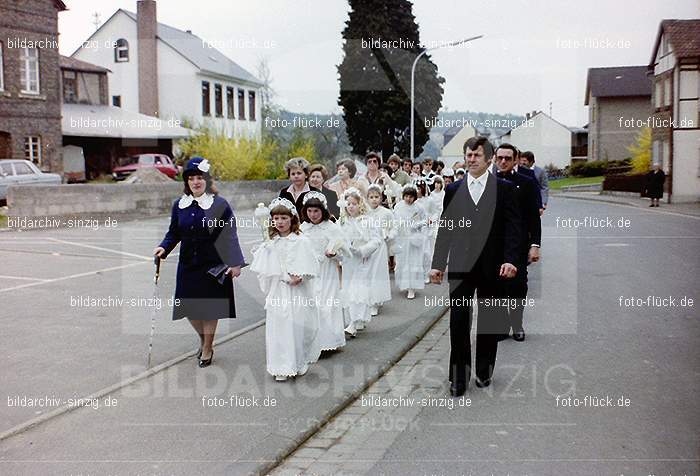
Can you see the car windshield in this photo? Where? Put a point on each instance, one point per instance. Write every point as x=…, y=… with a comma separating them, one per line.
x=136, y=159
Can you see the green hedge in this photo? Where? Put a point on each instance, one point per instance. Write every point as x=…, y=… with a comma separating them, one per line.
x=592, y=168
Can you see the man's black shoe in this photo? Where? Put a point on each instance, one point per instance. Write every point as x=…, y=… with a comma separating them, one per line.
x=519, y=335
x=483, y=383
x=458, y=390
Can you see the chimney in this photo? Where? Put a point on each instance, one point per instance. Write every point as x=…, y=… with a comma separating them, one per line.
x=148, y=57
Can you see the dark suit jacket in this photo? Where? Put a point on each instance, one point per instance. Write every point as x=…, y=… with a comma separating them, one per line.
x=492, y=239
x=526, y=192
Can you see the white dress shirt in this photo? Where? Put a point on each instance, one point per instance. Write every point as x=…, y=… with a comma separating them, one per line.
x=477, y=185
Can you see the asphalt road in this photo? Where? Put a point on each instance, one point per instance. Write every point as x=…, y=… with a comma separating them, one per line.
x=580, y=339
x=585, y=338
x=56, y=342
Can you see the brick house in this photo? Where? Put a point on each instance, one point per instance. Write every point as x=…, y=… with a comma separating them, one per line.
x=30, y=97
x=615, y=94
x=675, y=71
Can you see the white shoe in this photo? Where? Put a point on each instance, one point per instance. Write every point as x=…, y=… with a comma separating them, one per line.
x=280, y=378
x=303, y=370
x=373, y=311
x=427, y=280
x=351, y=330
x=411, y=294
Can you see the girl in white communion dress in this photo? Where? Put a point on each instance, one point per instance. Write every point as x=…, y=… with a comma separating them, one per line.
x=364, y=240
x=380, y=218
x=328, y=242
x=287, y=266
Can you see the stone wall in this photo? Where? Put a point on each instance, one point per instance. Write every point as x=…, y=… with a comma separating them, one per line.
x=124, y=201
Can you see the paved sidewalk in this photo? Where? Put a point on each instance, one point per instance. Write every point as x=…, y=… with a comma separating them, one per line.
x=358, y=437
x=692, y=209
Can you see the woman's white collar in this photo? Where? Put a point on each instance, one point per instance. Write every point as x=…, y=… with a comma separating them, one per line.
x=205, y=201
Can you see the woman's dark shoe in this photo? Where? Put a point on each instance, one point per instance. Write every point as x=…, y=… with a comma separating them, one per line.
x=206, y=362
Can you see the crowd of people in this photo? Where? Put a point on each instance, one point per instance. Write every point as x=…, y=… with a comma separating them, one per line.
x=331, y=244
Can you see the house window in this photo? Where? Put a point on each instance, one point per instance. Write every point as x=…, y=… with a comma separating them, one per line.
x=218, y=101
x=206, y=108
x=29, y=70
x=117, y=101
x=251, y=105
x=241, y=104
x=70, y=87
x=121, y=51
x=657, y=93
x=667, y=91
x=2, y=81
x=230, y=106
x=32, y=149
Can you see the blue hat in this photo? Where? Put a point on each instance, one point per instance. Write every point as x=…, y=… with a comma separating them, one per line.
x=196, y=166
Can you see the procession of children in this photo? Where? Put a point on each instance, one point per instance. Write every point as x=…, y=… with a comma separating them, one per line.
x=326, y=277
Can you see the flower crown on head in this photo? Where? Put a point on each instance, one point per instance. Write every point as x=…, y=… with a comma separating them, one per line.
x=204, y=166
x=285, y=203
x=318, y=196
x=343, y=202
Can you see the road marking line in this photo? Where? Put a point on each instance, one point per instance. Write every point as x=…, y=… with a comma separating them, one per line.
x=23, y=278
x=119, y=385
x=99, y=248
x=72, y=276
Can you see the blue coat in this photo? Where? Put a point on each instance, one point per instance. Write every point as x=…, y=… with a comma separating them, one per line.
x=207, y=239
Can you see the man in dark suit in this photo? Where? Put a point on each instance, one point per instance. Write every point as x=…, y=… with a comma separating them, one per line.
x=527, y=162
x=526, y=192
x=479, y=236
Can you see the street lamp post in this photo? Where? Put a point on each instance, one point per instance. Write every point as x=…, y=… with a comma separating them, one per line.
x=413, y=87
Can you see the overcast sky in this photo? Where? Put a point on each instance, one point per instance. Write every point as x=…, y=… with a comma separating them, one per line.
x=534, y=52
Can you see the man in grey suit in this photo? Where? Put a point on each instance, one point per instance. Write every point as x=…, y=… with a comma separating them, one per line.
x=527, y=159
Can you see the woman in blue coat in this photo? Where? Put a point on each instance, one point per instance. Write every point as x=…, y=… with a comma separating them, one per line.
x=210, y=255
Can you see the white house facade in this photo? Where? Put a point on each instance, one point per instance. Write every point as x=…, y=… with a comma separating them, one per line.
x=453, y=150
x=545, y=137
x=178, y=77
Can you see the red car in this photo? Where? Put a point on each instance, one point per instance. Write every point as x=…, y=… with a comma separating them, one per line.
x=130, y=164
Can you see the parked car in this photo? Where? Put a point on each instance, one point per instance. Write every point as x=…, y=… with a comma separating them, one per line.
x=128, y=165
x=22, y=172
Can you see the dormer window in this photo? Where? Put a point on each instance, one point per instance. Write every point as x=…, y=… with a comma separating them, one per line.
x=121, y=51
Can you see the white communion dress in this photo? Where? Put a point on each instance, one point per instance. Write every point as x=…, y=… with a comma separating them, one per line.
x=380, y=219
x=328, y=236
x=358, y=278
x=428, y=206
x=409, y=246
x=292, y=321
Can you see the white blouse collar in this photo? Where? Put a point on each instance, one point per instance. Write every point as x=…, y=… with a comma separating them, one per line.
x=205, y=201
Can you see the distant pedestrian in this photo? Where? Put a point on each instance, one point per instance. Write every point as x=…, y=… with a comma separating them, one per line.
x=655, y=185
x=210, y=255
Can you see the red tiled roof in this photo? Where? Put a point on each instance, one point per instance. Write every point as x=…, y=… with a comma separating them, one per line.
x=684, y=36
